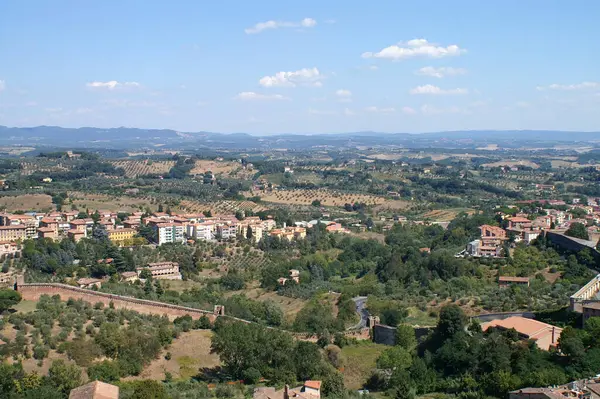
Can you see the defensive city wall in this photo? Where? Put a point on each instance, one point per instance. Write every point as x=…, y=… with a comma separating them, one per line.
x=34, y=291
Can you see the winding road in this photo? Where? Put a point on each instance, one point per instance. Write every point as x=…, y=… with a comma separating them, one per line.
x=360, y=302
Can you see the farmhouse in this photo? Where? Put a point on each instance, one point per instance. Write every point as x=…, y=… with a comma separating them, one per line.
x=506, y=281
x=162, y=270
x=89, y=283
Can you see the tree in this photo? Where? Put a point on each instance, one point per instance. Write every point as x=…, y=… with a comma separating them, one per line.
x=333, y=385
x=160, y=208
x=8, y=299
x=452, y=320
x=405, y=337
x=578, y=230
x=316, y=203
x=106, y=371
x=395, y=358
x=64, y=376
x=249, y=233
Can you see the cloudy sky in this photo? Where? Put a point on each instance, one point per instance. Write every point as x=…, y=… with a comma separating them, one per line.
x=269, y=67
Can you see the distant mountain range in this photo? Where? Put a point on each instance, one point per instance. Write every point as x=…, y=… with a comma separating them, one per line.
x=122, y=137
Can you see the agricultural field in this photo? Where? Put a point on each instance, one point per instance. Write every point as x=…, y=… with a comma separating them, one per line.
x=27, y=202
x=220, y=207
x=146, y=167
x=108, y=202
x=35, y=165
x=327, y=197
x=446, y=215
x=190, y=353
x=512, y=164
x=221, y=168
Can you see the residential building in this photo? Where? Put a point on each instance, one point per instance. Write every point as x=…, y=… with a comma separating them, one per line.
x=30, y=222
x=518, y=222
x=95, y=390
x=170, y=233
x=129, y=277
x=202, y=231
x=506, y=281
x=50, y=223
x=81, y=224
x=9, y=249
x=310, y=390
x=162, y=270
x=289, y=233
x=227, y=230
x=47, y=232
x=119, y=235
x=545, y=335
x=13, y=233
x=76, y=235
x=89, y=283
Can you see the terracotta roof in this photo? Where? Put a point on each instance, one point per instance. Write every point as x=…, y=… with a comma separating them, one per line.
x=528, y=327
x=519, y=220
x=313, y=384
x=46, y=229
x=17, y=226
x=95, y=390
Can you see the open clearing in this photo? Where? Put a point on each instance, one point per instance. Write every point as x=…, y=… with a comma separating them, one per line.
x=289, y=306
x=327, y=197
x=27, y=202
x=361, y=360
x=190, y=353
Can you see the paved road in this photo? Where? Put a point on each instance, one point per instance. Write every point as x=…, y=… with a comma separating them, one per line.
x=360, y=302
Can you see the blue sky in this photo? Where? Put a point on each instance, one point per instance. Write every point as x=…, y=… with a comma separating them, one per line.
x=268, y=67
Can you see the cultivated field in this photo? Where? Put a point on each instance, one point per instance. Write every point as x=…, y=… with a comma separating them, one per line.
x=27, y=168
x=446, y=215
x=327, y=197
x=220, y=168
x=108, y=202
x=28, y=202
x=220, y=207
x=147, y=167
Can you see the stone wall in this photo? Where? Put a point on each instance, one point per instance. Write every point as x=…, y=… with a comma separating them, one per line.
x=34, y=291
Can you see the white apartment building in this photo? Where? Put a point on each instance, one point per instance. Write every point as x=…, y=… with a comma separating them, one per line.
x=202, y=231
x=169, y=233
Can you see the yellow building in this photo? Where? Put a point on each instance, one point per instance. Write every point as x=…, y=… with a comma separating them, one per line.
x=120, y=235
x=12, y=233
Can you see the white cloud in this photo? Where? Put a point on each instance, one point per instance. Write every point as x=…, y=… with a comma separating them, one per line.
x=577, y=86
x=303, y=77
x=431, y=89
x=111, y=85
x=261, y=26
x=415, y=48
x=408, y=111
x=440, y=72
x=344, y=95
x=251, y=96
x=373, y=109
x=2, y=85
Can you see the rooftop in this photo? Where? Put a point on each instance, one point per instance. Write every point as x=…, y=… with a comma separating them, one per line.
x=95, y=390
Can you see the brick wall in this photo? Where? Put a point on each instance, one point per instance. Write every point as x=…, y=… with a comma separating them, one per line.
x=34, y=291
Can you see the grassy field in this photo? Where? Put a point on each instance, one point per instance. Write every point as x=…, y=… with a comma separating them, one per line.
x=190, y=353
x=28, y=202
x=25, y=306
x=419, y=318
x=360, y=362
x=289, y=306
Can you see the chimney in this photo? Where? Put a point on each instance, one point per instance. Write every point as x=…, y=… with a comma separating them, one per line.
x=286, y=392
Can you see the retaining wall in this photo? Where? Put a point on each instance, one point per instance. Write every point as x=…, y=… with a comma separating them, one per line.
x=34, y=291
